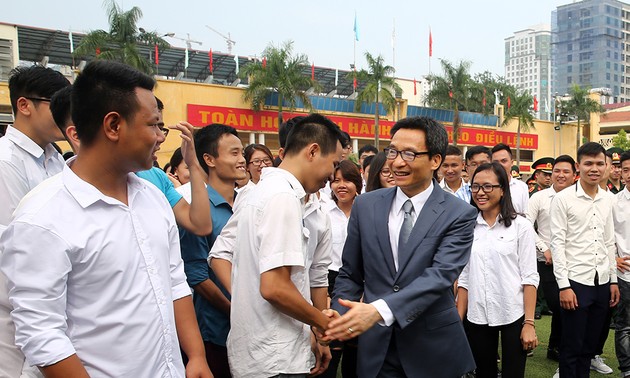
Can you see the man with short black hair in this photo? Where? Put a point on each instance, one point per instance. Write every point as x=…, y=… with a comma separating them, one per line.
x=502, y=154
x=583, y=252
x=452, y=171
x=365, y=151
x=27, y=157
x=270, y=311
x=110, y=297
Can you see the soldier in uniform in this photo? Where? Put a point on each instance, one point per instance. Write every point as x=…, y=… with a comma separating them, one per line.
x=614, y=180
x=542, y=174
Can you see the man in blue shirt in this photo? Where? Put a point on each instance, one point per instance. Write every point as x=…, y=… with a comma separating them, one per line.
x=220, y=153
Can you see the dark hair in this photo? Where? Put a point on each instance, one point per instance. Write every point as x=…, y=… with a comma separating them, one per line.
x=103, y=87
x=346, y=141
x=507, y=212
x=453, y=151
x=625, y=156
x=249, y=151
x=373, y=181
x=67, y=155
x=207, y=141
x=367, y=148
x=367, y=161
x=284, y=129
x=314, y=128
x=350, y=172
x=34, y=81
x=160, y=104
x=60, y=108
x=565, y=159
x=167, y=167
x=476, y=150
x=176, y=159
x=590, y=149
x=436, y=138
x=502, y=147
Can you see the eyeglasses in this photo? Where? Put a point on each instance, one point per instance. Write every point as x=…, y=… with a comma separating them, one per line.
x=391, y=154
x=38, y=99
x=386, y=172
x=258, y=162
x=487, y=188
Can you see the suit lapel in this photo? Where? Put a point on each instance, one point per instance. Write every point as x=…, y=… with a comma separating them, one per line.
x=381, y=215
x=430, y=212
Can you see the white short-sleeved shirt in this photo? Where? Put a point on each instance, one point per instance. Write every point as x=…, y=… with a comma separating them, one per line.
x=339, y=228
x=90, y=275
x=263, y=341
x=502, y=260
x=621, y=218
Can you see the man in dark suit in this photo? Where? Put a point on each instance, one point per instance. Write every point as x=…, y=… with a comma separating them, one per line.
x=405, y=248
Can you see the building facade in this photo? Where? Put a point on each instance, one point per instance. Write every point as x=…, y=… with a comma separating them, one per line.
x=591, y=47
x=528, y=65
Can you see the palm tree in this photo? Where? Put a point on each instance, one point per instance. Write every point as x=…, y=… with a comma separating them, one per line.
x=451, y=91
x=581, y=106
x=281, y=72
x=121, y=42
x=380, y=87
x=519, y=110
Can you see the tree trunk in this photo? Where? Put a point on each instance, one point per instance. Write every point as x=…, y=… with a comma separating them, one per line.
x=376, y=127
x=280, y=100
x=455, y=126
x=518, y=145
x=578, y=137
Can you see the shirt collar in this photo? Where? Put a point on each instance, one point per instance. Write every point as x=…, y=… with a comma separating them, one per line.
x=626, y=191
x=581, y=193
x=215, y=197
x=86, y=194
x=25, y=143
x=482, y=221
x=418, y=200
x=283, y=173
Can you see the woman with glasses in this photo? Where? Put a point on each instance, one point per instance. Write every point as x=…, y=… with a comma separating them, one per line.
x=497, y=288
x=257, y=157
x=379, y=176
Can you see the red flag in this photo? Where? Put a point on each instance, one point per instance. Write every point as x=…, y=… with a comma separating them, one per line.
x=450, y=94
x=483, y=101
x=430, y=43
x=535, y=104
x=98, y=51
x=313, y=71
x=354, y=83
x=210, y=59
x=415, y=90
x=157, y=56
x=264, y=62
x=509, y=103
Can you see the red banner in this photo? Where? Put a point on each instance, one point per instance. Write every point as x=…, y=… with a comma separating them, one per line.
x=267, y=121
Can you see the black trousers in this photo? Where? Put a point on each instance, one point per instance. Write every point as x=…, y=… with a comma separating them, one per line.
x=484, y=342
x=581, y=329
x=552, y=295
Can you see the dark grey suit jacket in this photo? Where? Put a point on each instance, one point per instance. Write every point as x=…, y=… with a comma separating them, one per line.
x=429, y=335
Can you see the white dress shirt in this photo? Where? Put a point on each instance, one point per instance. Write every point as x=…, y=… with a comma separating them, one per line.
x=501, y=262
x=621, y=218
x=462, y=193
x=90, y=275
x=395, y=221
x=339, y=226
x=520, y=195
x=583, y=237
x=538, y=210
x=23, y=165
x=263, y=341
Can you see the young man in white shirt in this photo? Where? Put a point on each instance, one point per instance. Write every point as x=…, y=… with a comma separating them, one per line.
x=110, y=296
x=271, y=314
x=583, y=253
x=452, y=171
x=27, y=158
x=621, y=218
x=538, y=212
x=502, y=154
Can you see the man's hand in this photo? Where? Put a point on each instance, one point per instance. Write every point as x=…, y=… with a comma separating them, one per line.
x=529, y=340
x=623, y=265
x=322, y=339
x=614, y=295
x=188, y=145
x=198, y=368
x=358, y=319
x=322, y=357
x=568, y=300
x=547, y=255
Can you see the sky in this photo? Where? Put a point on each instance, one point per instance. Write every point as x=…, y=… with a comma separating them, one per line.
x=472, y=30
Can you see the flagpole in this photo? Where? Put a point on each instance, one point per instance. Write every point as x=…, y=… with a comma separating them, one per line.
x=394, y=46
x=354, y=41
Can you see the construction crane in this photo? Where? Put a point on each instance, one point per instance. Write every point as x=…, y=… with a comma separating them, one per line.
x=188, y=40
x=228, y=39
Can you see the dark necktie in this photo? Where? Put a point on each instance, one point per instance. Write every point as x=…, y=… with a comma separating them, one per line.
x=407, y=224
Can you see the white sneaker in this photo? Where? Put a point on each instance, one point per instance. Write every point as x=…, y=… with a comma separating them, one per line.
x=557, y=374
x=597, y=364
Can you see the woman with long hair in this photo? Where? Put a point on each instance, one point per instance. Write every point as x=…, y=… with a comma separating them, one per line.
x=380, y=175
x=497, y=288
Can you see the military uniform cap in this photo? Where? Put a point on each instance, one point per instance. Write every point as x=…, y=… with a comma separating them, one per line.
x=543, y=164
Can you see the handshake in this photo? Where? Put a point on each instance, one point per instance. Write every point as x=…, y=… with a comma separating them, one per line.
x=359, y=318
